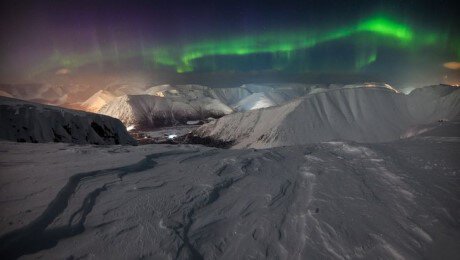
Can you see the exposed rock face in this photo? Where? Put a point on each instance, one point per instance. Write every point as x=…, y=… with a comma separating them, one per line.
x=24, y=121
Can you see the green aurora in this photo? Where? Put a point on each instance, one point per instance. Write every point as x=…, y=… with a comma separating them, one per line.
x=284, y=47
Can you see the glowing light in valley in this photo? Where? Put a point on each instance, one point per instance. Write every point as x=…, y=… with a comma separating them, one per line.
x=62, y=71
x=453, y=65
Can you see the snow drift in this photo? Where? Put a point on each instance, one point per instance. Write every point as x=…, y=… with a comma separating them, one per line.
x=362, y=114
x=24, y=121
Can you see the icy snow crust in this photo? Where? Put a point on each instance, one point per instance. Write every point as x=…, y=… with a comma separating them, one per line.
x=24, y=121
x=333, y=200
x=361, y=114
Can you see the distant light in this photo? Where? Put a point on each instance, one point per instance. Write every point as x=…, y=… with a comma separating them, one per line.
x=172, y=136
x=453, y=65
x=129, y=128
x=63, y=71
x=407, y=90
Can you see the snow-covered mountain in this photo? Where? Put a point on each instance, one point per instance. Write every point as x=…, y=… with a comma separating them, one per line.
x=243, y=98
x=188, y=92
x=181, y=103
x=258, y=96
x=205, y=101
x=150, y=111
x=362, y=114
x=433, y=103
x=126, y=88
x=24, y=121
x=229, y=96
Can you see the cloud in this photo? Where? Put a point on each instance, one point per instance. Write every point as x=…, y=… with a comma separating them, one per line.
x=62, y=71
x=453, y=65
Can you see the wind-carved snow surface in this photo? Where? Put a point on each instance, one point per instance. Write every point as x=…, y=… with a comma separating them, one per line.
x=362, y=114
x=24, y=121
x=334, y=200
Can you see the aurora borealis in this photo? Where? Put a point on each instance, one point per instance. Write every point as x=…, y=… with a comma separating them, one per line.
x=282, y=45
x=367, y=36
x=385, y=38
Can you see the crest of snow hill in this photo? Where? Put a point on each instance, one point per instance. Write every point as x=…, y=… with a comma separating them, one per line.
x=260, y=115
x=24, y=121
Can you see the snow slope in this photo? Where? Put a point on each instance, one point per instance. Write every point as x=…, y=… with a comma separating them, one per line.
x=334, y=200
x=434, y=102
x=260, y=100
x=229, y=96
x=188, y=92
x=268, y=95
x=31, y=122
x=243, y=98
x=362, y=114
x=5, y=94
x=98, y=100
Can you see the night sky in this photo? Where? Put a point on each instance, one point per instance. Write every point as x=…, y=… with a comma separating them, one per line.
x=222, y=43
